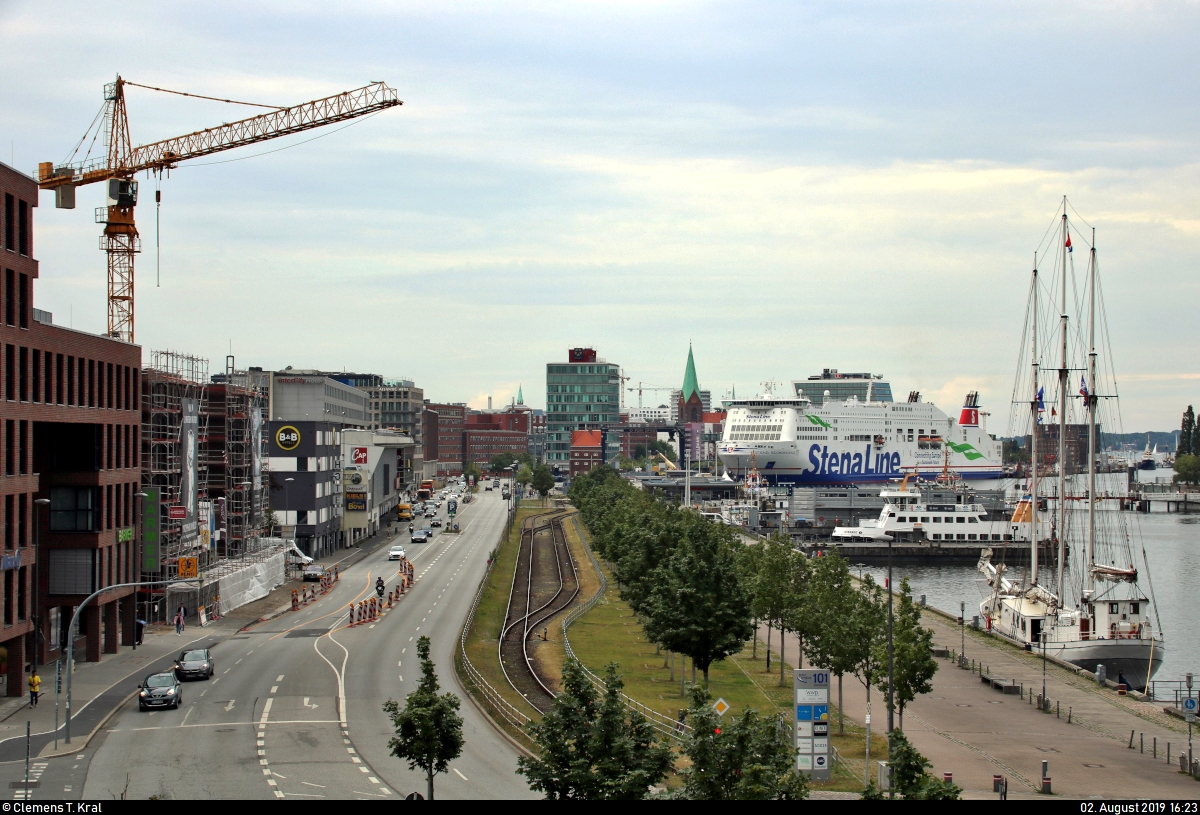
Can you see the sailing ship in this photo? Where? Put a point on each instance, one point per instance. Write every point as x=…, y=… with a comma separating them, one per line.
x=1100, y=615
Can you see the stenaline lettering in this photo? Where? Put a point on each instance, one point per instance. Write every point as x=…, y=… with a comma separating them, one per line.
x=825, y=463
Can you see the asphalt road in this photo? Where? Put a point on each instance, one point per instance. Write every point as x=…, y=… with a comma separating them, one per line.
x=295, y=707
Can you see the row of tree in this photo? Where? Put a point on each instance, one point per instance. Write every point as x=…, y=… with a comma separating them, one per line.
x=1187, y=452
x=700, y=591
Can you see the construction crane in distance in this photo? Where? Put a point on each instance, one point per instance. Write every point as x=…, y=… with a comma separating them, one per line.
x=122, y=162
x=643, y=386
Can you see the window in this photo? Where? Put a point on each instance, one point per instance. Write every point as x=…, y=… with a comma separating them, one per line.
x=72, y=509
x=1134, y=608
x=960, y=520
x=1113, y=608
x=924, y=519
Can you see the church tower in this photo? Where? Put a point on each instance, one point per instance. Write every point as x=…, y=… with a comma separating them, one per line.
x=691, y=405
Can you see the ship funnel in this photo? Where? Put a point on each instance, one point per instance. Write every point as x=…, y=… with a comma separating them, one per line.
x=970, y=412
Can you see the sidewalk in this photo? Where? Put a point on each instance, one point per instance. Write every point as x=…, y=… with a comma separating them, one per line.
x=965, y=727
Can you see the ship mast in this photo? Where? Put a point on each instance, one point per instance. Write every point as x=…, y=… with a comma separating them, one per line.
x=1033, y=445
x=1062, y=410
x=1091, y=409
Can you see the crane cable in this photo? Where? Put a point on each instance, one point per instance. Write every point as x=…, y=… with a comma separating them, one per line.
x=199, y=96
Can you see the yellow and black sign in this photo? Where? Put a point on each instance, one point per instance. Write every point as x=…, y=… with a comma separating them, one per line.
x=287, y=437
x=189, y=567
x=356, y=502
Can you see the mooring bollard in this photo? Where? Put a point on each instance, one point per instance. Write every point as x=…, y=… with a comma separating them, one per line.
x=1046, y=786
x=996, y=779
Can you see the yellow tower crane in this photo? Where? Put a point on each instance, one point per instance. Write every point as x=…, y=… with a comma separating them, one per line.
x=122, y=162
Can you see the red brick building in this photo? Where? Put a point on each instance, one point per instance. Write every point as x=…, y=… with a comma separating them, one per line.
x=487, y=434
x=586, y=451
x=447, y=428
x=70, y=418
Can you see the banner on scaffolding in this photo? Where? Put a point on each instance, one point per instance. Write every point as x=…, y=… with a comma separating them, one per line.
x=151, y=523
x=189, y=432
x=204, y=524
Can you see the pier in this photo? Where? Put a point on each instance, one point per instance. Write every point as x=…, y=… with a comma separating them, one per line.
x=933, y=552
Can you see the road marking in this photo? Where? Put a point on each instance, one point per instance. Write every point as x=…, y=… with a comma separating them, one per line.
x=229, y=706
x=185, y=716
x=401, y=677
x=262, y=753
x=239, y=662
x=460, y=775
x=372, y=625
x=263, y=762
x=227, y=670
x=309, y=783
x=400, y=664
x=365, y=769
x=410, y=639
x=277, y=775
x=266, y=711
x=274, y=688
x=372, y=779
x=313, y=706
x=350, y=750
x=356, y=759
x=402, y=650
x=279, y=678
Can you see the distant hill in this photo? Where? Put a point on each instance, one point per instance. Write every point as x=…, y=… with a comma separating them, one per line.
x=1165, y=441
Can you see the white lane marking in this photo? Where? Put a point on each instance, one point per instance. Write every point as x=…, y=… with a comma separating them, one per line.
x=313, y=706
x=277, y=775
x=356, y=759
x=372, y=779
x=227, y=670
x=185, y=716
x=239, y=662
x=402, y=650
x=401, y=677
x=274, y=688
x=364, y=769
x=309, y=783
x=340, y=674
x=279, y=678
x=266, y=711
x=460, y=775
x=229, y=706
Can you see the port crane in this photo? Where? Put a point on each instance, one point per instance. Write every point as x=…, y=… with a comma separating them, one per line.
x=122, y=162
x=642, y=386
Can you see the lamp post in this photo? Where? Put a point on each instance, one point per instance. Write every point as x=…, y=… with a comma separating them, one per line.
x=140, y=497
x=1042, y=634
x=37, y=574
x=287, y=502
x=1188, y=680
x=250, y=502
x=891, y=648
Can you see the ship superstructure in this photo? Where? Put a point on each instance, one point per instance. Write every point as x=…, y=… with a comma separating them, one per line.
x=803, y=439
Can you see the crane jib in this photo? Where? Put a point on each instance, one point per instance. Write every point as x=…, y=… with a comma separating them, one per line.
x=169, y=152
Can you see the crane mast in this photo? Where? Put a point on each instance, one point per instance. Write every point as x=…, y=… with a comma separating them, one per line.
x=122, y=162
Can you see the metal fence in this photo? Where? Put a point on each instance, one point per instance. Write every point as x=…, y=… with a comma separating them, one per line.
x=498, y=703
x=664, y=725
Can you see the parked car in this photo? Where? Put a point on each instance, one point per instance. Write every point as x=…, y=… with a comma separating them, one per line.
x=314, y=571
x=436, y=522
x=160, y=690
x=395, y=553
x=197, y=664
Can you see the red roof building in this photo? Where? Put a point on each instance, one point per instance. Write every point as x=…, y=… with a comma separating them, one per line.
x=586, y=452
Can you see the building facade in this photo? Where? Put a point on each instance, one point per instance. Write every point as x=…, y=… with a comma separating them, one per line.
x=586, y=452
x=309, y=411
x=69, y=465
x=582, y=394
x=448, y=421
x=371, y=486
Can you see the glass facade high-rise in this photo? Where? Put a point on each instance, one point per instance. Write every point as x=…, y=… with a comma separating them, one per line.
x=582, y=394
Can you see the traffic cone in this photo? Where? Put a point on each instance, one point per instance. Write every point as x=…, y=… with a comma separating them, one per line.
x=295, y=600
x=389, y=599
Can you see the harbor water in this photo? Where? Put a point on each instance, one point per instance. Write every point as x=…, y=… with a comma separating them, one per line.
x=1172, y=545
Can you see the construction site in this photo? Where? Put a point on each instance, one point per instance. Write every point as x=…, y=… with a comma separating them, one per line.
x=204, y=477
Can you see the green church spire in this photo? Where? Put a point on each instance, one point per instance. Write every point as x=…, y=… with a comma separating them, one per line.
x=690, y=383
x=520, y=396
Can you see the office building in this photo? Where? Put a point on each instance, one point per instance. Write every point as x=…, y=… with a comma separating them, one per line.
x=584, y=393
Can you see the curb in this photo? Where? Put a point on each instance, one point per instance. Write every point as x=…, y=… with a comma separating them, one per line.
x=87, y=740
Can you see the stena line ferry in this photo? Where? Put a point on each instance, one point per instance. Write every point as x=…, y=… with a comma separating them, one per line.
x=845, y=429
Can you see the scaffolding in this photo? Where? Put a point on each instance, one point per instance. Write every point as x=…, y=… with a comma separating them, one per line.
x=170, y=378
x=231, y=461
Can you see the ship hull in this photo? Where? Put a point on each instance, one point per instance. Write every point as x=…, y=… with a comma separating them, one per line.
x=1134, y=660
x=787, y=466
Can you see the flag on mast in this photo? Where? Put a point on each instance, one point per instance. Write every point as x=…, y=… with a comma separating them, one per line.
x=1069, y=247
x=1083, y=388
x=1041, y=402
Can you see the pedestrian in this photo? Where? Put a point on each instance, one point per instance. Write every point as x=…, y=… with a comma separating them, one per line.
x=182, y=617
x=140, y=630
x=178, y=625
x=35, y=688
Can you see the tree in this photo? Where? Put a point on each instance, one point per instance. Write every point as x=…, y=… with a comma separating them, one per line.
x=750, y=759
x=470, y=469
x=524, y=475
x=697, y=605
x=831, y=601
x=773, y=600
x=912, y=658
x=660, y=446
x=428, y=729
x=865, y=628
x=502, y=461
x=749, y=562
x=591, y=748
x=639, y=451
x=910, y=777
x=543, y=480
x=1187, y=469
x=1187, y=435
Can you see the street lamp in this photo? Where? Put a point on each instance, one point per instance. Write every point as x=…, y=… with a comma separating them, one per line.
x=37, y=573
x=137, y=555
x=1042, y=634
x=287, y=502
x=891, y=646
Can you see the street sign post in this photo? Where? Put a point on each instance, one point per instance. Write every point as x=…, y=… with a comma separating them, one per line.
x=188, y=566
x=721, y=707
x=811, y=691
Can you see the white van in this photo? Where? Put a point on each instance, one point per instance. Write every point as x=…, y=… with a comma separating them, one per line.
x=295, y=557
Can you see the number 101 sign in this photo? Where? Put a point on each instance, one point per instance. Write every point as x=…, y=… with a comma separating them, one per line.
x=811, y=687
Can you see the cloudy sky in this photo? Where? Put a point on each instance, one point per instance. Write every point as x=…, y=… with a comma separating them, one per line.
x=787, y=186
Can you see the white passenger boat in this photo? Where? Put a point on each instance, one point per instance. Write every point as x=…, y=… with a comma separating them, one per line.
x=1098, y=614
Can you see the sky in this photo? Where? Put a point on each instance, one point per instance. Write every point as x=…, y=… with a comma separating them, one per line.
x=786, y=186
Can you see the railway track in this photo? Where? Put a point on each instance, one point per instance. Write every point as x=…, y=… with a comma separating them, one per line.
x=545, y=582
